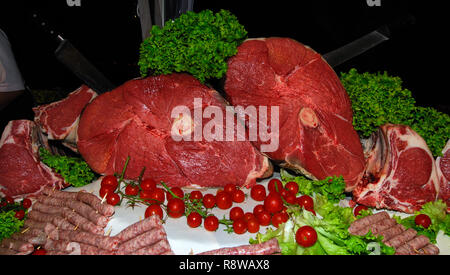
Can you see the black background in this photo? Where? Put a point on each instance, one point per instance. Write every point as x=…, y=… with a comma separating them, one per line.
x=108, y=34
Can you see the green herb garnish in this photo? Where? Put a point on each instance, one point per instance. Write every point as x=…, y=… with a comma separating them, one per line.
x=196, y=43
x=75, y=171
x=378, y=98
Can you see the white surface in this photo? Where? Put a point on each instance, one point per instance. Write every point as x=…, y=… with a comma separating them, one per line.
x=185, y=240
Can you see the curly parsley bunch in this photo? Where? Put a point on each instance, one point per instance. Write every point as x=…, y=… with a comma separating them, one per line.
x=196, y=43
x=378, y=98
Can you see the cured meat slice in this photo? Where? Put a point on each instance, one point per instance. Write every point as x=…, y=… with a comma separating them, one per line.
x=21, y=171
x=316, y=135
x=143, y=240
x=59, y=120
x=140, y=120
x=443, y=171
x=401, y=172
x=362, y=223
x=266, y=248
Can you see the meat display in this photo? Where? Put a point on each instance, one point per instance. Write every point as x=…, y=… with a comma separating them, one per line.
x=21, y=172
x=443, y=171
x=59, y=120
x=405, y=242
x=316, y=135
x=401, y=172
x=136, y=120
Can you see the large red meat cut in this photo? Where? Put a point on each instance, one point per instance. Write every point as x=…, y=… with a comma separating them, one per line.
x=135, y=120
x=21, y=171
x=316, y=135
x=59, y=120
x=443, y=170
x=401, y=171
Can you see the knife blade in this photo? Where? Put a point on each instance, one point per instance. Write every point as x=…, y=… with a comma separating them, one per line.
x=75, y=61
x=357, y=47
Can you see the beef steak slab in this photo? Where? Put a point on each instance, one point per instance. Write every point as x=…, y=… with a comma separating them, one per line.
x=401, y=172
x=59, y=120
x=135, y=120
x=443, y=170
x=21, y=171
x=316, y=135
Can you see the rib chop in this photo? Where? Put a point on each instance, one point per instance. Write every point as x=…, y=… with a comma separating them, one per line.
x=21, y=171
x=401, y=172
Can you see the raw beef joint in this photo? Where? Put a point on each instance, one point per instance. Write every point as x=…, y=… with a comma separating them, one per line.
x=21, y=171
x=316, y=135
x=443, y=169
x=137, y=120
x=401, y=172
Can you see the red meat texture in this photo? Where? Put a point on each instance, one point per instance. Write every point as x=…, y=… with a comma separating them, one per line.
x=135, y=120
x=316, y=135
x=401, y=172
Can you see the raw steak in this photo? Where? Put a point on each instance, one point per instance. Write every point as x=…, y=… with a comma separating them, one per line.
x=316, y=135
x=59, y=120
x=21, y=172
x=136, y=120
x=401, y=172
x=443, y=170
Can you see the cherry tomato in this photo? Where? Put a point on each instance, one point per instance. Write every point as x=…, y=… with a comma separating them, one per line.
x=20, y=214
x=148, y=185
x=177, y=191
x=306, y=236
x=211, y=223
x=279, y=218
x=194, y=220
x=306, y=202
x=275, y=185
x=195, y=195
x=104, y=190
x=154, y=209
x=175, y=208
x=157, y=196
x=292, y=187
x=40, y=251
x=258, y=192
x=236, y=213
x=257, y=209
x=110, y=181
x=146, y=195
x=263, y=218
x=238, y=196
x=223, y=200
x=252, y=225
x=290, y=198
x=273, y=202
x=283, y=192
x=423, y=220
x=209, y=200
x=358, y=209
x=132, y=190
x=9, y=200
x=248, y=216
x=239, y=226
x=112, y=198
x=26, y=203
x=230, y=188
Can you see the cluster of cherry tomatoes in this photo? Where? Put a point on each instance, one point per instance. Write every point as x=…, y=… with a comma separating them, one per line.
x=7, y=203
